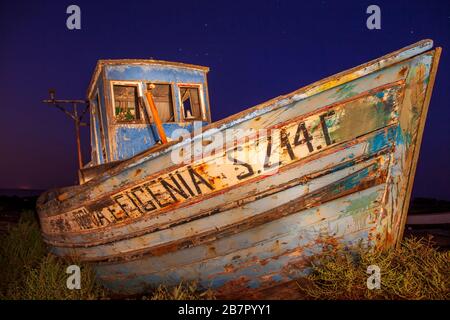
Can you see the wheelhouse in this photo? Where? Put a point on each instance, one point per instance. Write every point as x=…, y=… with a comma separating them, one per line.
x=123, y=120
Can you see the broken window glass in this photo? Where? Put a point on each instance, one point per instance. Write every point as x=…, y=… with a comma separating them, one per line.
x=126, y=103
x=190, y=100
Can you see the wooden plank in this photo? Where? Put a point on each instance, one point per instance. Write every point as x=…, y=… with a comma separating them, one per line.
x=421, y=126
x=257, y=157
x=341, y=157
x=260, y=210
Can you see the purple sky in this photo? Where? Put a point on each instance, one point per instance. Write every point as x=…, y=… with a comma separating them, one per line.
x=256, y=51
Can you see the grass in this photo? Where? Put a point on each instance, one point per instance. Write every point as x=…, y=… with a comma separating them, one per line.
x=416, y=270
x=29, y=272
x=183, y=291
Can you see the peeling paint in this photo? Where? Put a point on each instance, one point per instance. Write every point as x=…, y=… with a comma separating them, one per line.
x=241, y=231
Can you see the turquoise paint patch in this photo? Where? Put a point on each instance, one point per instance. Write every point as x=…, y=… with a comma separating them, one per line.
x=345, y=91
x=354, y=180
x=383, y=139
x=399, y=137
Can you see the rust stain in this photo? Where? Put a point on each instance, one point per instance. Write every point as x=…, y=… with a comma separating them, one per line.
x=229, y=268
x=206, y=142
x=63, y=196
x=403, y=71
x=231, y=287
x=137, y=172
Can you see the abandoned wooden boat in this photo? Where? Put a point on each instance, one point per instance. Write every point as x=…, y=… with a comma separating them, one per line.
x=240, y=204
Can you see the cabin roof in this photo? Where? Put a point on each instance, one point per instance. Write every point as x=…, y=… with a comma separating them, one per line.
x=101, y=63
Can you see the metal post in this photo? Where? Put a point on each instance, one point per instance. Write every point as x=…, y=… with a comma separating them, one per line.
x=77, y=118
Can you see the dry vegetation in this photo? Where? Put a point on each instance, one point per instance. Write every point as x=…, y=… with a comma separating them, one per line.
x=29, y=272
x=183, y=291
x=414, y=271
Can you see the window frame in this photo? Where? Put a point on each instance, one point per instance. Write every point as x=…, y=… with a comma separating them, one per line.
x=93, y=130
x=99, y=120
x=138, y=85
x=199, y=86
x=172, y=93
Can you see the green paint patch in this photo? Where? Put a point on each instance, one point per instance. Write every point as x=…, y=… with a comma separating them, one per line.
x=315, y=125
x=363, y=115
x=360, y=204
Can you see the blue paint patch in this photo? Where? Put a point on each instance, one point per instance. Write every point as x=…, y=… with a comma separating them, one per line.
x=353, y=180
x=154, y=73
x=380, y=95
x=277, y=278
x=131, y=141
x=382, y=140
x=254, y=284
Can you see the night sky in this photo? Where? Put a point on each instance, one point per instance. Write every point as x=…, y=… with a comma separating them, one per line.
x=256, y=51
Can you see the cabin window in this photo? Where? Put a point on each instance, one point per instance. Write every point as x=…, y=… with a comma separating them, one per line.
x=126, y=107
x=190, y=102
x=162, y=97
x=99, y=120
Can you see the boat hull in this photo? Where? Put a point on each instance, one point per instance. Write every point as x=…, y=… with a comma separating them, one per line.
x=331, y=164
